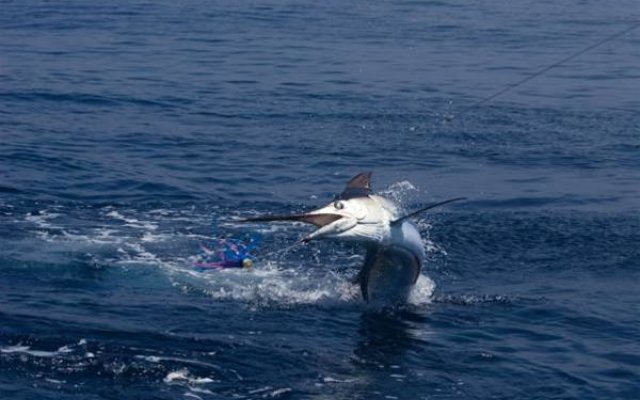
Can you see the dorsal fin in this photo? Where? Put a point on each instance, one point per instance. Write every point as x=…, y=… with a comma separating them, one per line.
x=429, y=207
x=358, y=186
x=360, y=181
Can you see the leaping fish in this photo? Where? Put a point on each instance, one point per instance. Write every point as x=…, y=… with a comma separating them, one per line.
x=395, y=251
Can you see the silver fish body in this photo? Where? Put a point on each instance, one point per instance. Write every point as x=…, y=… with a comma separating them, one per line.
x=395, y=251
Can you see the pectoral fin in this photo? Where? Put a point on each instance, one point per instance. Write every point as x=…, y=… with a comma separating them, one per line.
x=429, y=207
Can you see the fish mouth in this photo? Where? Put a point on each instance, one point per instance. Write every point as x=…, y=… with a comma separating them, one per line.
x=320, y=220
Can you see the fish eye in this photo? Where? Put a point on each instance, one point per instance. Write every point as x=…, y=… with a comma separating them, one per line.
x=338, y=205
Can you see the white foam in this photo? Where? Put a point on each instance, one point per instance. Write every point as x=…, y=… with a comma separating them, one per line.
x=268, y=284
x=149, y=237
x=183, y=376
x=55, y=381
x=133, y=222
x=200, y=390
x=101, y=236
x=402, y=186
x=401, y=192
x=273, y=284
x=41, y=219
x=271, y=391
x=328, y=379
x=35, y=353
x=278, y=392
x=151, y=359
x=138, y=255
x=423, y=291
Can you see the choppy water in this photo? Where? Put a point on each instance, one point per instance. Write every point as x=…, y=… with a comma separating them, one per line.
x=131, y=132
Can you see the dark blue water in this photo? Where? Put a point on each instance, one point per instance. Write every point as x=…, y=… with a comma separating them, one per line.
x=133, y=131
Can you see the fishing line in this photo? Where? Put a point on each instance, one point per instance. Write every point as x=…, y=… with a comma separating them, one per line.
x=545, y=69
x=280, y=251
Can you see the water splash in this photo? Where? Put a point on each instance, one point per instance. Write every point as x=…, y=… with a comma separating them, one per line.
x=285, y=274
x=402, y=192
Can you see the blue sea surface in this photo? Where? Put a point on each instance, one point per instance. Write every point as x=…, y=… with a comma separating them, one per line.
x=132, y=132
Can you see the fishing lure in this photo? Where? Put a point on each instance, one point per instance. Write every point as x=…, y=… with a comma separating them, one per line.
x=228, y=253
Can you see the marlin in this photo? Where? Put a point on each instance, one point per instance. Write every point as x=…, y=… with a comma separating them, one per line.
x=394, y=248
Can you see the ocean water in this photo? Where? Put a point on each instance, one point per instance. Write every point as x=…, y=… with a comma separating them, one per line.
x=131, y=132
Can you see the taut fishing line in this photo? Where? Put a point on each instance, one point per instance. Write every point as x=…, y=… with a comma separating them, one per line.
x=545, y=69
